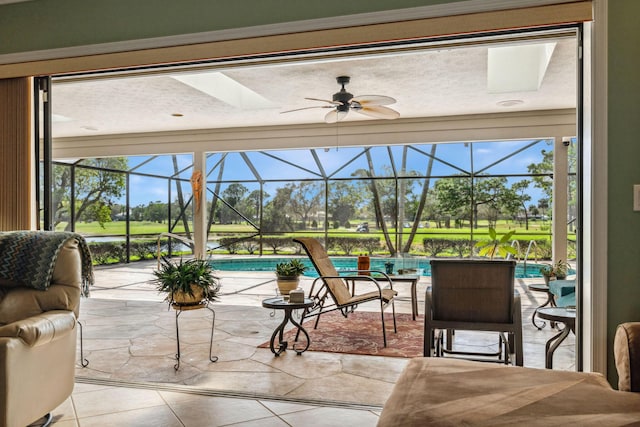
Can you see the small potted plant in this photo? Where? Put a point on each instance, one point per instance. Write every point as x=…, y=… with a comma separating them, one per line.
x=190, y=282
x=288, y=275
x=555, y=271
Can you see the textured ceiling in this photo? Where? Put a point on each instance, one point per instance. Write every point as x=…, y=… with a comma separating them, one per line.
x=425, y=83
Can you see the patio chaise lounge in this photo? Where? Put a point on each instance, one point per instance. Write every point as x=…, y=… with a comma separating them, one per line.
x=330, y=291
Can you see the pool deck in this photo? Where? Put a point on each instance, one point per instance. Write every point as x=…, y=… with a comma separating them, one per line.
x=129, y=336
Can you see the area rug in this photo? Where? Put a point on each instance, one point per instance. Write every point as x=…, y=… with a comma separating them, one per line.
x=361, y=333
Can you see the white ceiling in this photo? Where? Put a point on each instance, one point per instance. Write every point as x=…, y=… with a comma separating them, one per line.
x=427, y=83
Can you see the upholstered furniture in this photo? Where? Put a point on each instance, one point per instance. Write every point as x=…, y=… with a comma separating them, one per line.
x=564, y=292
x=452, y=392
x=449, y=392
x=473, y=295
x=626, y=347
x=37, y=326
x=331, y=291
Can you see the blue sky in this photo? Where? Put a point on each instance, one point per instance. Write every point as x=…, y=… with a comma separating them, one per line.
x=302, y=165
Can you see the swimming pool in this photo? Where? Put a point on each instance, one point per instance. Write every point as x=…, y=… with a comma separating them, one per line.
x=532, y=269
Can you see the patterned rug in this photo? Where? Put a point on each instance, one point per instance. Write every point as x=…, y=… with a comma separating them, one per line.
x=361, y=333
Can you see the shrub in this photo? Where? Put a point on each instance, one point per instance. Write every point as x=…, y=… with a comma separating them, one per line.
x=276, y=243
x=231, y=243
x=250, y=245
x=344, y=244
x=349, y=245
x=144, y=248
x=433, y=247
x=461, y=247
x=370, y=244
x=108, y=252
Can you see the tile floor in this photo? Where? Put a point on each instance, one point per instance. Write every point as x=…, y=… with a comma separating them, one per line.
x=130, y=344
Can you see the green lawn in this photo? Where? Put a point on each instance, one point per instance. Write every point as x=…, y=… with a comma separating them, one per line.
x=537, y=230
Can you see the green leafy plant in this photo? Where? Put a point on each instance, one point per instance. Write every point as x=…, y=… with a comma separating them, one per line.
x=558, y=269
x=293, y=268
x=183, y=276
x=496, y=245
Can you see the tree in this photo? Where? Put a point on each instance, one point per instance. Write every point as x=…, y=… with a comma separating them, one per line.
x=234, y=193
x=421, y=204
x=453, y=198
x=387, y=197
x=545, y=181
x=305, y=197
x=250, y=205
x=233, y=196
x=489, y=192
x=138, y=213
x=515, y=200
x=275, y=218
x=97, y=184
x=344, y=198
x=545, y=170
x=543, y=205
x=157, y=212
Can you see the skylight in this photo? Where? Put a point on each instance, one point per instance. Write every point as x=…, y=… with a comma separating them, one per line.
x=225, y=89
x=517, y=68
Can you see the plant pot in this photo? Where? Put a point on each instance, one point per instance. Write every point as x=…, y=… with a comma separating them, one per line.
x=287, y=284
x=547, y=278
x=184, y=298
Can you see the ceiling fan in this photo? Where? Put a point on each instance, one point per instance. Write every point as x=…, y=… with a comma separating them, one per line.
x=343, y=102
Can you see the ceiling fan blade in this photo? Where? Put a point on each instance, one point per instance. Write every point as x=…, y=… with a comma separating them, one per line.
x=325, y=100
x=374, y=100
x=307, y=108
x=379, y=112
x=335, y=116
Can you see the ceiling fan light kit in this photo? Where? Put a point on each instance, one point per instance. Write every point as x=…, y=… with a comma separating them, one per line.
x=342, y=102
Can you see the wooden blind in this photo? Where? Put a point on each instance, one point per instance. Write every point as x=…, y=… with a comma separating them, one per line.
x=15, y=154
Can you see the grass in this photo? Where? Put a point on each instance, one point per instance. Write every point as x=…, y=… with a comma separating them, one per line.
x=537, y=231
x=119, y=228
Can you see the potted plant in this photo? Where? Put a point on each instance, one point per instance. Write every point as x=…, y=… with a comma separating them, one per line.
x=288, y=275
x=188, y=282
x=555, y=271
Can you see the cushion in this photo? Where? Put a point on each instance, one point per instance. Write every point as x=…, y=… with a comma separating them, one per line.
x=448, y=392
x=560, y=288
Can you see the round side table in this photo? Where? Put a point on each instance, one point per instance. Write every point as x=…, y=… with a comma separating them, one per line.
x=278, y=303
x=561, y=315
x=541, y=287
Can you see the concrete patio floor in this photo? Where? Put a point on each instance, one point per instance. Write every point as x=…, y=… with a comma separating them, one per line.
x=129, y=336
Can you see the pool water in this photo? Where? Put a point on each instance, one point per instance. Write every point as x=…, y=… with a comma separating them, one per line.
x=531, y=270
